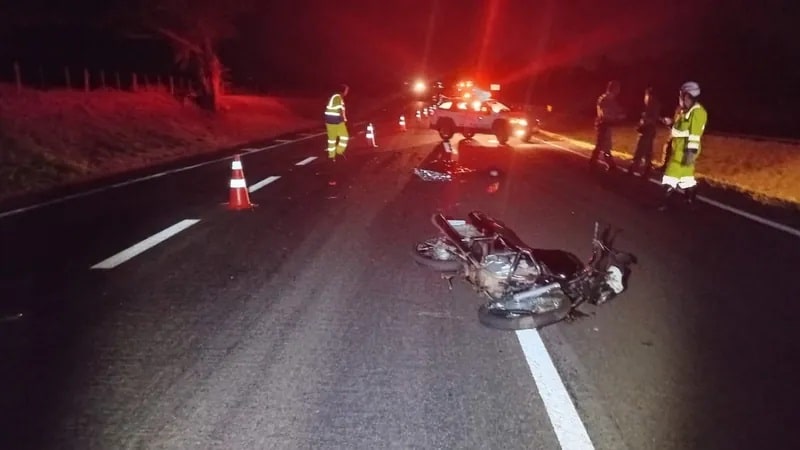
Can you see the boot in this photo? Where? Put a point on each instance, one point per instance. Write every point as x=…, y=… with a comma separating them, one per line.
x=691, y=197
x=593, y=160
x=648, y=169
x=609, y=159
x=666, y=195
x=633, y=168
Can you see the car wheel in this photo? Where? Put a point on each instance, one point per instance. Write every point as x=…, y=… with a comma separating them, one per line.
x=501, y=131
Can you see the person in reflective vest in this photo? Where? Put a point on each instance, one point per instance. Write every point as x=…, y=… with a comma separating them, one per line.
x=336, y=123
x=686, y=133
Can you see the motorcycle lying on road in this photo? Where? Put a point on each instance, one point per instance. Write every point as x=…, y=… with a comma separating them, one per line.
x=527, y=287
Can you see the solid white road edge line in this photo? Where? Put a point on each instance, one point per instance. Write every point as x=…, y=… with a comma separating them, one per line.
x=262, y=183
x=136, y=249
x=306, y=161
x=145, y=178
x=764, y=221
x=569, y=428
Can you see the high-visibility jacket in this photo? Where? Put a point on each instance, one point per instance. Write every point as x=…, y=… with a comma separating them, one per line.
x=334, y=112
x=686, y=134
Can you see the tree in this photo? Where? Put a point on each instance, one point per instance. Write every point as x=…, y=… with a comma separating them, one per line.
x=194, y=29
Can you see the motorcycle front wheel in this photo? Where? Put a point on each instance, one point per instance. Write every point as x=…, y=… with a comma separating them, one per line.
x=437, y=254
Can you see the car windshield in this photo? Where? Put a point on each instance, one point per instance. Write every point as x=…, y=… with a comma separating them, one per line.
x=498, y=107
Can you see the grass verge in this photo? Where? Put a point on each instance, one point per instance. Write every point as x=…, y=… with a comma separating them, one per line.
x=55, y=138
x=767, y=171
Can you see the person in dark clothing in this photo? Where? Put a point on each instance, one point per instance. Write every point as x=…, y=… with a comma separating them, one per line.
x=608, y=113
x=647, y=134
x=667, y=147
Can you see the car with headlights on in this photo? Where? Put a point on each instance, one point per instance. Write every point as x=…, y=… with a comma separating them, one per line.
x=470, y=116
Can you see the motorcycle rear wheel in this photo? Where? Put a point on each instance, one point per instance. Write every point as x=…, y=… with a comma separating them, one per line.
x=435, y=253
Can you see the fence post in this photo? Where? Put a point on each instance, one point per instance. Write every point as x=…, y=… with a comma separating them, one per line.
x=171, y=85
x=66, y=76
x=102, y=79
x=86, y=79
x=134, y=84
x=119, y=82
x=158, y=82
x=18, y=76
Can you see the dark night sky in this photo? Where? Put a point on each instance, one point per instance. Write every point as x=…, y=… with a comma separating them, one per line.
x=738, y=53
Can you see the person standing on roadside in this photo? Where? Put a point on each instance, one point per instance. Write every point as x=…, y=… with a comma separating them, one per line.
x=647, y=133
x=667, y=147
x=336, y=123
x=609, y=113
x=686, y=134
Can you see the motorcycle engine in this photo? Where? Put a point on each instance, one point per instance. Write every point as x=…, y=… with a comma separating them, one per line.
x=493, y=275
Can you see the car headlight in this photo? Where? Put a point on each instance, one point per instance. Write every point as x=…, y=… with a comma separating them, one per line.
x=520, y=122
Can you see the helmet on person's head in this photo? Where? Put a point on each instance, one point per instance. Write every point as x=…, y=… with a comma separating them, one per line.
x=691, y=88
x=613, y=86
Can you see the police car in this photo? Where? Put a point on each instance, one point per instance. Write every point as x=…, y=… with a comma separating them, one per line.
x=477, y=113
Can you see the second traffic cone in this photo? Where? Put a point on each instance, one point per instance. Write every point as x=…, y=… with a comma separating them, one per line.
x=403, y=123
x=239, y=195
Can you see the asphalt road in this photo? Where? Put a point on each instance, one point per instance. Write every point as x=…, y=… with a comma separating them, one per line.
x=304, y=323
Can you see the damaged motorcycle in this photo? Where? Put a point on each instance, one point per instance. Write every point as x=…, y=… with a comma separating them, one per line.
x=526, y=287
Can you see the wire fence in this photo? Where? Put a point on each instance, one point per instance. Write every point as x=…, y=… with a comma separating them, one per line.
x=88, y=79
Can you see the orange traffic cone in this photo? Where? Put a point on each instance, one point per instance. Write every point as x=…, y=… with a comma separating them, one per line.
x=371, y=134
x=239, y=195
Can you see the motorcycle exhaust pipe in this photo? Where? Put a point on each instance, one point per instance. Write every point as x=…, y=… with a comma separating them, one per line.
x=536, y=292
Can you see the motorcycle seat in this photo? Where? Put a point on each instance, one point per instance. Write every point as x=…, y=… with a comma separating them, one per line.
x=559, y=262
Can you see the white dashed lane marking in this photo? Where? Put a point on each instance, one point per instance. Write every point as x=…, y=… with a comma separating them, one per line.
x=306, y=161
x=263, y=183
x=144, y=245
x=305, y=136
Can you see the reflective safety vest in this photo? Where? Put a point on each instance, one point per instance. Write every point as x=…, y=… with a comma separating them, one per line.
x=686, y=134
x=689, y=127
x=334, y=112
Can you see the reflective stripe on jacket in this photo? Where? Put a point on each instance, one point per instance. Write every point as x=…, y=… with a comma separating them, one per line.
x=334, y=112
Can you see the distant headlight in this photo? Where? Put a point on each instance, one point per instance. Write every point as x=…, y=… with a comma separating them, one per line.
x=419, y=87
